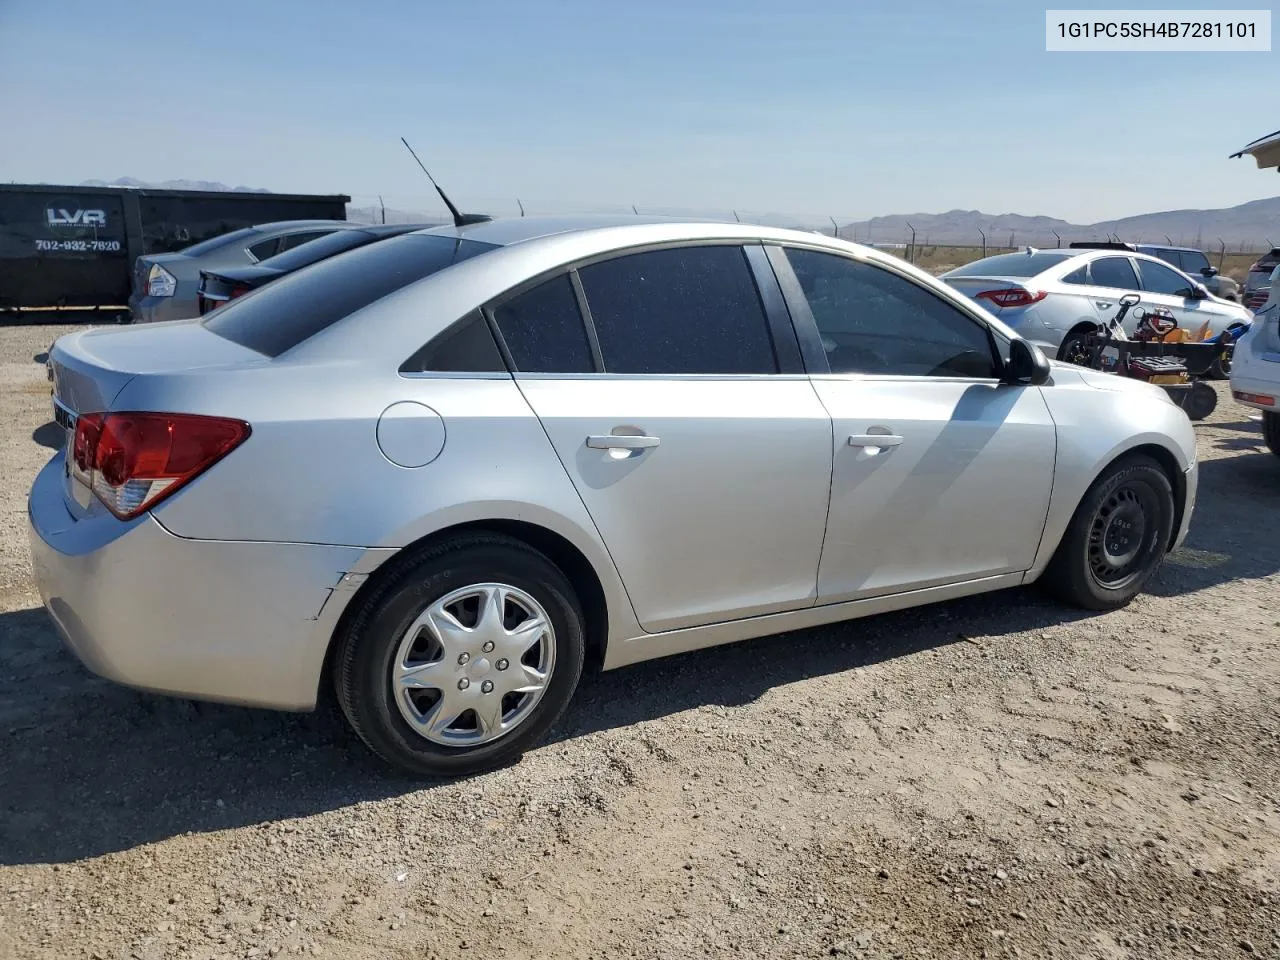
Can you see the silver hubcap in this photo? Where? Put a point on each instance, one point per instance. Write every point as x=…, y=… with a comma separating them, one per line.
x=474, y=664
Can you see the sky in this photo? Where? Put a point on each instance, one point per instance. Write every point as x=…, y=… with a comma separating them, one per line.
x=841, y=108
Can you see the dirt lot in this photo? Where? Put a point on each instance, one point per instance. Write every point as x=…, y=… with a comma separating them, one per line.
x=997, y=777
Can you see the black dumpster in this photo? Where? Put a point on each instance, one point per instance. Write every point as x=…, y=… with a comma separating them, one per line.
x=74, y=246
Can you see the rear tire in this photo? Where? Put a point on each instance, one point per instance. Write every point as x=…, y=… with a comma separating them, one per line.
x=1075, y=347
x=400, y=672
x=1200, y=401
x=1271, y=431
x=1116, y=539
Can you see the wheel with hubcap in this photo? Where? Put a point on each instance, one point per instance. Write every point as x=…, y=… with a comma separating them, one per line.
x=462, y=657
x=1117, y=537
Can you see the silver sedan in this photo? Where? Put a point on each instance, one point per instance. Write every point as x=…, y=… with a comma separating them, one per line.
x=439, y=471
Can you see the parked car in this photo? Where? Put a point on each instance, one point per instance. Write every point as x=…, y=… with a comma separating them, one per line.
x=1194, y=263
x=165, y=285
x=1257, y=283
x=437, y=471
x=218, y=285
x=1255, y=373
x=1055, y=298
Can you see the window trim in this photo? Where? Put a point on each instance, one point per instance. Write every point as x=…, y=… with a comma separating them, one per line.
x=811, y=339
x=773, y=304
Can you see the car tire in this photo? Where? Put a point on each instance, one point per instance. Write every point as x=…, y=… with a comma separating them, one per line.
x=1220, y=369
x=1134, y=491
x=388, y=655
x=1075, y=347
x=1271, y=431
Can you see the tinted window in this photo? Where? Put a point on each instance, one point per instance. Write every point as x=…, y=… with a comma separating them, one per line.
x=1011, y=265
x=288, y=311
x=215, y=243
x=1113, y=272
x=298, y=239
x=874, y=321
x=543, y=329
x=317, y=250
x=1193, y=261
x=1157, y=278
x=687, y=310
x=466, y=347
x=1080, y=275
x=265, y=249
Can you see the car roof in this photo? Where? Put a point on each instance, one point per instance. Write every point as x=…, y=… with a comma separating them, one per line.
x=293, y=224
x=507, y=231
x=1166, y=246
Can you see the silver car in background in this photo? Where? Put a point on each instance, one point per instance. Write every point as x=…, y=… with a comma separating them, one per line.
x=1055, y=298
x=166, y=285
x=439, y=471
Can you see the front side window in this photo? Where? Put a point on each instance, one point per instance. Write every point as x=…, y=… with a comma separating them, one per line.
x=1114, y=272
x=874, y=321
x=688, y=310
x=1157, y=278
x=543, y=329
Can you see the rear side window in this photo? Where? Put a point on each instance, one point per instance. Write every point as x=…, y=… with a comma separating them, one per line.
x=319, y=248
x=543, y=329
x=265, y=249
x=283, y=314
x=687, y=310
x=292, y=240
x=216, y=243
x=1114, y=272
x=466, y=347
x=1080, y=276
x=1011, y=265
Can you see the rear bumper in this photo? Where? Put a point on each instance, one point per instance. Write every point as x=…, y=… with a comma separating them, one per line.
x=160, y=309
x=243, y=622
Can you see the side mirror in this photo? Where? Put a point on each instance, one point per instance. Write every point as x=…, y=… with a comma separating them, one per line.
x=1026, y=366
x=1209, y=271
x=1198, y=292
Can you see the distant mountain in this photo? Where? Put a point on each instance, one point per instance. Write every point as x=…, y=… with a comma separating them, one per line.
x=1249, y=223
x=172, y=185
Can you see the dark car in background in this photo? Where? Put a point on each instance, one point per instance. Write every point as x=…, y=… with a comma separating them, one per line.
x=1257, y=285
x=219, y=285
x=165, y=285
x=1194, y=262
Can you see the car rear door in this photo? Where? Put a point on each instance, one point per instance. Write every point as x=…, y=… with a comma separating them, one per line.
x=941, y=474
x=677, y=402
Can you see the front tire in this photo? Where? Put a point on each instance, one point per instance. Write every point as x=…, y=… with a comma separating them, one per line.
x=1271, y=431
x=1116, y=539
x=463, y=658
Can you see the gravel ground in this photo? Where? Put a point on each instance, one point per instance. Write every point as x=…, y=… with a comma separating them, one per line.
x=994, y=777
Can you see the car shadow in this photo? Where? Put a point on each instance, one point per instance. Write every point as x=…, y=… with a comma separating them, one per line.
x=49, y=435
x=88, y=767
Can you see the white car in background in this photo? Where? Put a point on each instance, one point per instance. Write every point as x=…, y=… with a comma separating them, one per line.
x=1255, y=369
x=1056, y=298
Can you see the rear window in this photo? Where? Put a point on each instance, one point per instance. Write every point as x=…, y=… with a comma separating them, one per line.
x=283, y=314
x=315, y=250
x=216, y=243
x=1012, y=264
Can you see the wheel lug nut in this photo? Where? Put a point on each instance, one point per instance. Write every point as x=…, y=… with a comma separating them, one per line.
x=464, y=683
x=463, y=658
x=502, y=664
x=486, y=687
x=488, y=646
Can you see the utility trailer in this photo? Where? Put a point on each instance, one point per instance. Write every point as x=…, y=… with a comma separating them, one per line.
x=74, y=247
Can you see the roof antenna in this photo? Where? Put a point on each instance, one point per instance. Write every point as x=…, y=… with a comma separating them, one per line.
x=459, y=219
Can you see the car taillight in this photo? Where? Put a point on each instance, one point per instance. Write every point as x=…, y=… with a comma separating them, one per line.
x=238, y=292
x=160, y=282
x=1012, y=296
x=135, y=460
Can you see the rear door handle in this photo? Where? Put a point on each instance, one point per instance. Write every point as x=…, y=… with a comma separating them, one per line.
x=622, y=442
x=874, y=440
x=1103, y=304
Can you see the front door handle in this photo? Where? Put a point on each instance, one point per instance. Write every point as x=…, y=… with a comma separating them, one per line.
x=874, y=440
x=622, y=442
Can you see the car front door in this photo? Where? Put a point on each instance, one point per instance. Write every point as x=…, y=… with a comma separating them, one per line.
x=1164, y=287
x=941, y=474
x=686, y=423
